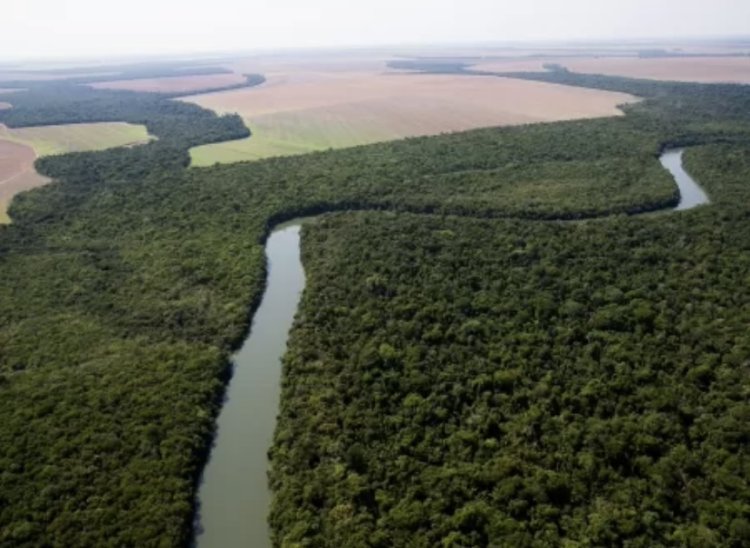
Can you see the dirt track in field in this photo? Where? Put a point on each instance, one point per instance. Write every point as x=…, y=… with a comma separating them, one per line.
x=682, y=69
x=174, y=84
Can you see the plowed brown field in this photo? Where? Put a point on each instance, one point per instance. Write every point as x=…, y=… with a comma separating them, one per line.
x=305, y=111
x=17, y=173
x=19, y=148
x=683, y=69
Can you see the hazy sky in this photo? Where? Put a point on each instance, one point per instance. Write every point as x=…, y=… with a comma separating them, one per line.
x=56, y=28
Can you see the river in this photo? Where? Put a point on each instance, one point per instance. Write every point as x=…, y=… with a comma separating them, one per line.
x=234, y=498
x=691, y=194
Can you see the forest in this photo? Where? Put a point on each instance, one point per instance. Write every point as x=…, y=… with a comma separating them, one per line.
x=457, y=382
x=467, y=367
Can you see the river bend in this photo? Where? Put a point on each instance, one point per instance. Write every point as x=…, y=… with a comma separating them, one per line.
x=234, y=498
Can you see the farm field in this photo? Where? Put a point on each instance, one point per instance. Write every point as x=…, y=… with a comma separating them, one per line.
x=59, y=139
x=17, y=173
x=174, y=84
x=20, y=147
x=684, y=69
x=321, y=110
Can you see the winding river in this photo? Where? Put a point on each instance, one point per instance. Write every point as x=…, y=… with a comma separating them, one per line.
x=691, y=194
x=233, y=497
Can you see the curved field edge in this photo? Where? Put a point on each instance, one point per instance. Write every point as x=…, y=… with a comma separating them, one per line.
x=175, y=126
x=136, y=276
x=385, y=107
x=60, y=139
x=4, y=218
x=84, y=137
x=177, y=86
x=17, y=173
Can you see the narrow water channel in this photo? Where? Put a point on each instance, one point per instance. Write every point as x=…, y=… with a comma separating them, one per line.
x=691, y=194
x=233, y=496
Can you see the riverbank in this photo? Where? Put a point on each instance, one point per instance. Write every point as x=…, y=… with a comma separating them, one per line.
x=234, y=498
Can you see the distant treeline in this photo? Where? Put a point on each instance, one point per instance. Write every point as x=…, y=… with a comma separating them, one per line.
x=108, y=73
x=251, y=80
x=682, y=110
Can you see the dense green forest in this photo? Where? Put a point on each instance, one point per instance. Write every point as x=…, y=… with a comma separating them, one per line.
x=589, y=377
x=456, y=382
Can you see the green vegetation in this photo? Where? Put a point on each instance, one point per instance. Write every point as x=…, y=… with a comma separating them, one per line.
x=296, y=132
x=4, y=212
x=553, y=382
x=179, y=123
x=267, y=141
x=456, y=382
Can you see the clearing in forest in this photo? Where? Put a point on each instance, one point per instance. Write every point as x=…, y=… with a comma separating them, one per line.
x=17, y=173
x=175, y=84
x=20, y=147
x=304, y=112
x=683, y=69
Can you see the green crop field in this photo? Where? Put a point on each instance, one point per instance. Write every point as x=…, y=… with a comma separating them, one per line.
x=60, y=139
x=4, y=219
x=289, y=133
